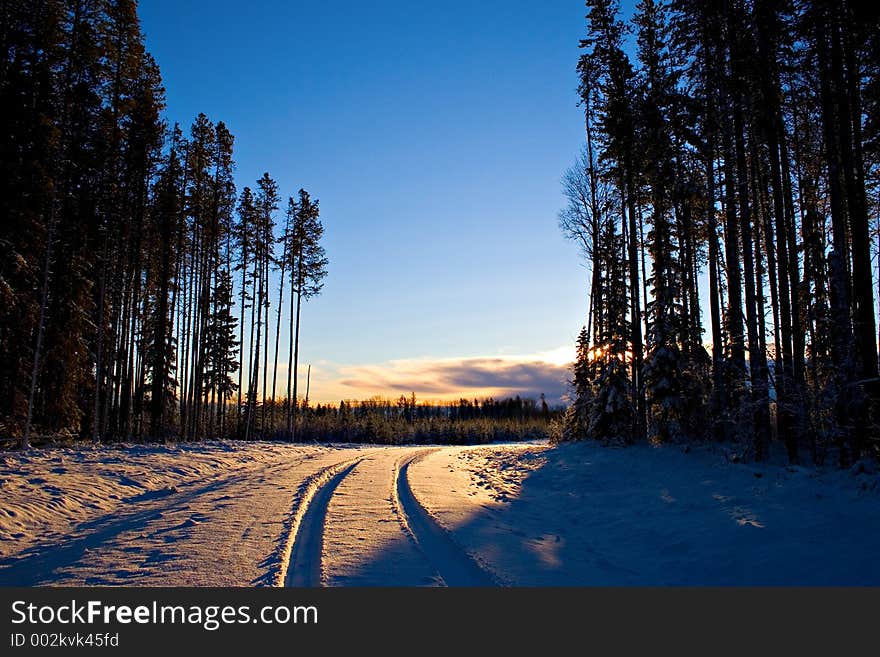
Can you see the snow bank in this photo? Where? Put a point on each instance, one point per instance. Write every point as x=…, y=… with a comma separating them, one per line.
x=582, y=514
x=46, y=490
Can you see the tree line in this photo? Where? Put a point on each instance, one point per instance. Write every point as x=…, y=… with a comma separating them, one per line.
x=134, y=278
x=406, y=421
x=737, y=151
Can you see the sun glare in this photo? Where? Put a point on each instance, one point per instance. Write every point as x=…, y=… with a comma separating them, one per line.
x=561, y=356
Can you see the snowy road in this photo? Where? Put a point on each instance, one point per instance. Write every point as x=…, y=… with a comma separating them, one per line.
x=454, y=565
x=362, y=526
x=243, y=515
x=226, y=528
x=268, y=514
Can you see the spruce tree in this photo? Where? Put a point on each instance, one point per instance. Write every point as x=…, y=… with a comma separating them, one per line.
x=307, y=267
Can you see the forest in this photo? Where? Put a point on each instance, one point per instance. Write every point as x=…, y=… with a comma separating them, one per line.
x=726, y=201
x=141, y=294
x=134, y=278
x=730, y=163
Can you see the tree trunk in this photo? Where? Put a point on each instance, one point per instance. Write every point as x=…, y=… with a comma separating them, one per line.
x=266, y=342
x=296, y=354
x=635, y=303
x=99, y=347
x=242, y=315
x=290, y=334
x=847, y=70
x=757, y=359
x=719, y=395
x=41, y=325
x=278, y=317
x=842, y=338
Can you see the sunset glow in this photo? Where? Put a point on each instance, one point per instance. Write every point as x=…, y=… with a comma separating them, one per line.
x=443, y=379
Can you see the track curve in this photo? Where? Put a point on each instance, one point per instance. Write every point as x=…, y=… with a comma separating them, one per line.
x=455, y=566
x=304, y=567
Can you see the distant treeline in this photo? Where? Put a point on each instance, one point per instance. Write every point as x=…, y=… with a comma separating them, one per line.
x=385, y=421
x=404, y=421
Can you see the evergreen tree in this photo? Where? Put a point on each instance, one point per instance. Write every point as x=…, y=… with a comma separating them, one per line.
x=265, y=205
x=160, y=343
x=606, y=67
x=577, y=417
x=741, y=143
x=244, y=239
x=666, y=314
x=222, y=349
x=307, y=267
x=118, y=247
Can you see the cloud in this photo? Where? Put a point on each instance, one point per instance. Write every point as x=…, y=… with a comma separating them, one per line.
x=449, y=378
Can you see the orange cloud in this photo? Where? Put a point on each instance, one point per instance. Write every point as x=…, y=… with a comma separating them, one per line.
x=447, y=378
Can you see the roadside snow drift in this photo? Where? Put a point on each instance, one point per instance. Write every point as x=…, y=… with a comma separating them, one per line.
x=582, y=514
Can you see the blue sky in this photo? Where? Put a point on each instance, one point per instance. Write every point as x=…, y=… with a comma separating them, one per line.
x=434, y=135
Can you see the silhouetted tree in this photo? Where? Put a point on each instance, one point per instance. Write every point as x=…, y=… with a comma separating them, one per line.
x=308, y=267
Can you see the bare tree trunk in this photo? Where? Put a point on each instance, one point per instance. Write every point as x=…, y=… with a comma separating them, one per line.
x=644, y=268
x=242, y=314
x=635, y=301
x=308, y=384
x=757, y=358
x=719, y=394
x=99, y=347
x=290, y=400
x=842, y=339
x=595, y=319
x=186, y=347
x=864, y=322
x=266, y=343
x=278, y=321
x=199, y=394
x=255, y=379
x=764, y=225
x=296, y=356
x=41, y=325
x=249, y=397
x=734, y=318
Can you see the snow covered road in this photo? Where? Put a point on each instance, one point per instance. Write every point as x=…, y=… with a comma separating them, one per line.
x=365, y=541
x=223, y=526
x=223, y=515
x=267, y=514
x=455, y=566
x=362, y=526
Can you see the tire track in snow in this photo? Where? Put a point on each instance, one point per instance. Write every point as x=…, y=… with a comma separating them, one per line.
x=365, y=543
x=454, y=565
x=301, y=563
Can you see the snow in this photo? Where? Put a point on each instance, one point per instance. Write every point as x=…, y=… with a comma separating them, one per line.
x=209, y=514
x=583, y=514
x=365, y=544
x=245, y=514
